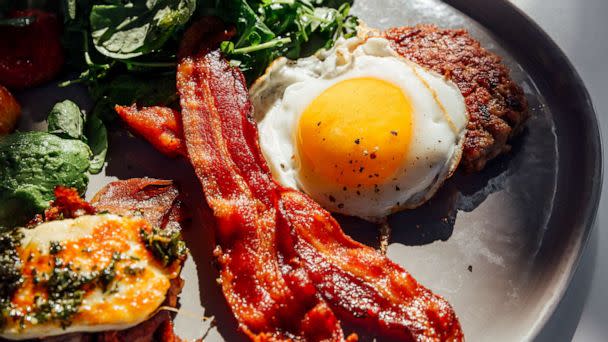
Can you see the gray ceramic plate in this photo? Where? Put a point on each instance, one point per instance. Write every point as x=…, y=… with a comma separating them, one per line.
x=500, y=245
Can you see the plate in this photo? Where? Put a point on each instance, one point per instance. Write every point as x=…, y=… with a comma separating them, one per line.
x=500, y=245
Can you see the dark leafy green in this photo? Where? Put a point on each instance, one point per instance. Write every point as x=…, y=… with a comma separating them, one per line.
x=125, y=57
x=67, y=121
x=97, y=138
x=127, y=29
x=268, y=29
x=32, y=164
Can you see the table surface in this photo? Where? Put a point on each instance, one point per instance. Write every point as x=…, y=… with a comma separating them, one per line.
x=580, y=28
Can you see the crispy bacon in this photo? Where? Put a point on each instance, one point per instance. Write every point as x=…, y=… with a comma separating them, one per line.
x=160, y=126
x=277, y=248
x=268, y=304
x=157, y=200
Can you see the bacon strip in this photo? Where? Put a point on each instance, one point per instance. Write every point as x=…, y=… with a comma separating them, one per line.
x=276, y=243
x=362, y=286
x=160, y=126
x=267, y=304
x=158, y=200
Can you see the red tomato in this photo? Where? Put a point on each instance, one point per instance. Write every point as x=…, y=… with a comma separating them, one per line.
x=30, y=55
x=10, y=111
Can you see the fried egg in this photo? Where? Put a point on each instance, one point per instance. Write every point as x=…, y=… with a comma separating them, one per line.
x=358, y=128
x=86, y=246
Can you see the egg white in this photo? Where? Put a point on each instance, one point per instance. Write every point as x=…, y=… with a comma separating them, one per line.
x=288, y=87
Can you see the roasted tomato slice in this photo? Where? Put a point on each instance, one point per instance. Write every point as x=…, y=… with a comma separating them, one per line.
x=30, y=55
x=10, y=111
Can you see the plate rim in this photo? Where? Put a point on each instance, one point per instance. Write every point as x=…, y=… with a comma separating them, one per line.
x=480, y=11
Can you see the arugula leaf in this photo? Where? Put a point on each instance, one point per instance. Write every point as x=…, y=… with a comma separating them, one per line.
x=97, y=137
x=268, y=29
x=126, y=30
x=70, y=9
x=67, y=121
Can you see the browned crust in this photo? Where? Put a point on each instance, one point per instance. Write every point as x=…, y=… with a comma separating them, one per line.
x=496, y=104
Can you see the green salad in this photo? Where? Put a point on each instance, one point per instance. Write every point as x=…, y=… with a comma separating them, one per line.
x=125, y=52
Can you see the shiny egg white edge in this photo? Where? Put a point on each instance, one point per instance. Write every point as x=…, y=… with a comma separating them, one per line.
x=419, y=198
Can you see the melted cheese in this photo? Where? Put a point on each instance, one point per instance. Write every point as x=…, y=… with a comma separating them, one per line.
x=89, y=244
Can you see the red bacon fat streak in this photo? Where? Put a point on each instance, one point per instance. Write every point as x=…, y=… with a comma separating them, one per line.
x=288, y=271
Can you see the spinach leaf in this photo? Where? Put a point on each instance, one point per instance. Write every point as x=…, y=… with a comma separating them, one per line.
x=32, y=164
x=129, y=29
x=67, y=121
x=97, y=137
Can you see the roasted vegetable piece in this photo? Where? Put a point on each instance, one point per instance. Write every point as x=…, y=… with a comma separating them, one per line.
x=30, y=55
x=10, y=111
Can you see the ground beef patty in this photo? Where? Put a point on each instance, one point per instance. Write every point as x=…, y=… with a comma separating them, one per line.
x=496, y=105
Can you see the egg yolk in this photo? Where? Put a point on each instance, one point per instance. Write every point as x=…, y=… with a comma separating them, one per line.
x=356, y=133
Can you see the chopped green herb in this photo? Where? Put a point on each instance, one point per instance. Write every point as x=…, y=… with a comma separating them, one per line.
x=165, y=244
x=10, y=269
x=55, y=247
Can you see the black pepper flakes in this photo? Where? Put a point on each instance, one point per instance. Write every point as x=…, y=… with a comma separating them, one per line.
x=357, y=141
x=332, y=198
x=395, y=133
x=340, y=205
x=470, y=268
x=397, y=188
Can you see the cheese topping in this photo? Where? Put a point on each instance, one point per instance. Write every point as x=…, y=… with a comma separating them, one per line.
x=88, y=274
